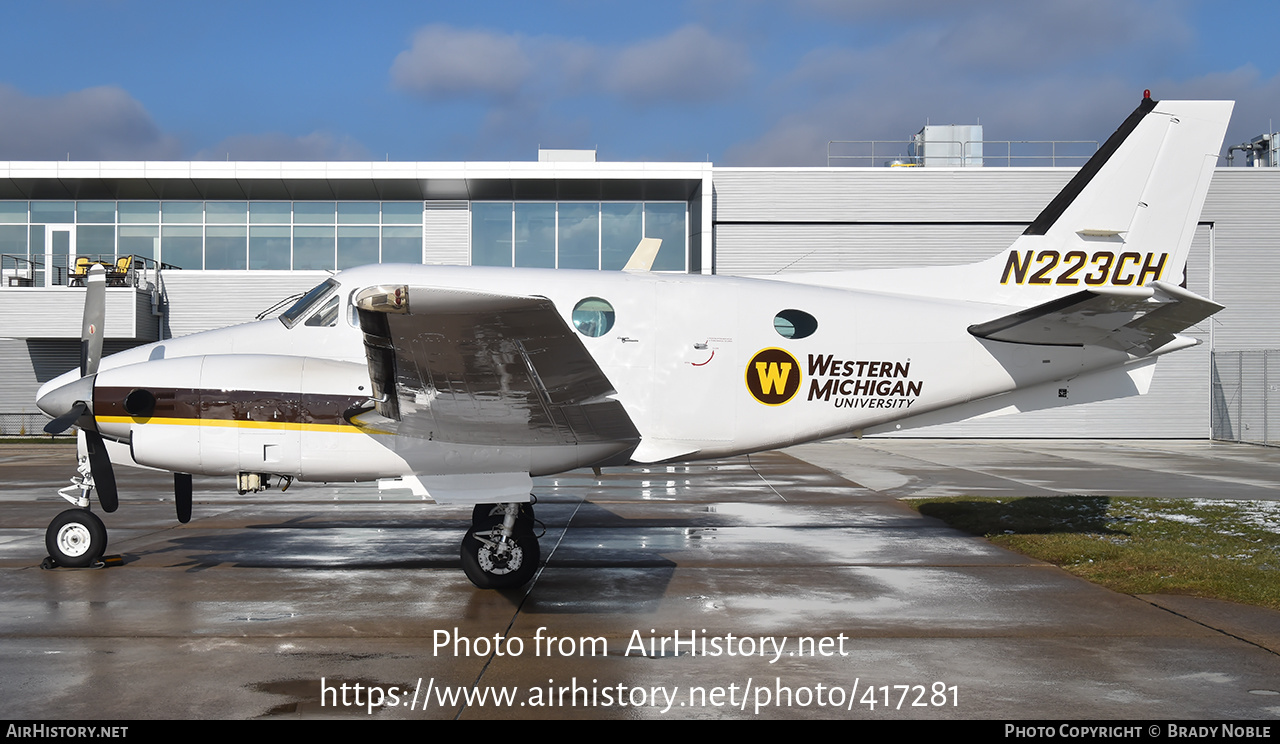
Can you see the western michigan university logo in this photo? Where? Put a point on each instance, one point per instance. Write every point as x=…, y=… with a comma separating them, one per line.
x=773, y=376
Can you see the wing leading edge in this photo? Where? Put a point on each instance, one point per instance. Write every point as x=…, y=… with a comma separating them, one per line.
x=1136, y=320
x=470, y=367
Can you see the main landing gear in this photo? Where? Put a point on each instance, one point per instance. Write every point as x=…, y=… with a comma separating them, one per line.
x=500, y=551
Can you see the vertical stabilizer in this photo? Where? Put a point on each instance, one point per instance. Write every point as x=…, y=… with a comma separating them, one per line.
x=1128, y=216
x=1125, y=220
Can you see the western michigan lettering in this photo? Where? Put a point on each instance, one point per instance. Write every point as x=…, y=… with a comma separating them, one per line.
x=862, y=383
x=1078, y=267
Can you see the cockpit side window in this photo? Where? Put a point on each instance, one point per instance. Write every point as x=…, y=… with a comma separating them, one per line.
x=309, y=300
x=325, y=317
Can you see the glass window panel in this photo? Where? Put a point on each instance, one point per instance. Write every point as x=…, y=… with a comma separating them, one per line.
x=266, y=212
x=357, y=213
x=490, y=234
x=182, y=213
x=325, y=317
x=182, y=247
x=225, y=247
x=620, y=233
x=313, y=248
x=13, y=211
x=53, y=211
x=402, y=245
x=134, y=213
x=313, y=213
x=357, y=246
x=402, y=213
x=593, y=317
x=96, y=212
x=139, y=241
x=536, y=235
x=13, y=240
x=98, y=241
x=268, y=246
x=667, y=221
x=225, y=213
x=579, y=236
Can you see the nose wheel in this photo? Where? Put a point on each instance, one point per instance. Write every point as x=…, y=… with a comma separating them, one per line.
x=500, y=550
x=76, y=538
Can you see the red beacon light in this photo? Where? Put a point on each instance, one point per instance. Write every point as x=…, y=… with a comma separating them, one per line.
x=1146, y=93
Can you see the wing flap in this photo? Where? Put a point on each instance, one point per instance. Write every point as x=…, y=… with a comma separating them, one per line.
x=1137, y=320
x=472, y=367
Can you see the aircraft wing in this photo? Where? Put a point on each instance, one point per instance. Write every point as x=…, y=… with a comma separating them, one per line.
x=1137, y=320
x=476, y=368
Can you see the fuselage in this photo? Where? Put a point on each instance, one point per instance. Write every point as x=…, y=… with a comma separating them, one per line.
x=703, y=366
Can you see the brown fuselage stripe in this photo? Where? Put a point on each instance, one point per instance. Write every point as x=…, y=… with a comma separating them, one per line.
x=235, y=405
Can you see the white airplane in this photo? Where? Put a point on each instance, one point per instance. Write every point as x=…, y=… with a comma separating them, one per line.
x=462, y=383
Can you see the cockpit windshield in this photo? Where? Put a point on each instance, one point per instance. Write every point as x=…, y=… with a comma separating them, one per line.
x=309, y=300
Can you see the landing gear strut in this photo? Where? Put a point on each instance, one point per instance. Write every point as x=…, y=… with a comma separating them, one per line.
x=500, y=550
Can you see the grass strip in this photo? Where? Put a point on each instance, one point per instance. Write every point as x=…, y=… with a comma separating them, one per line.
x=1201, y=547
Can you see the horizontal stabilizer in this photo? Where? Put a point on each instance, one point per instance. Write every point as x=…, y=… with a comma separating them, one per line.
x=1138, y=320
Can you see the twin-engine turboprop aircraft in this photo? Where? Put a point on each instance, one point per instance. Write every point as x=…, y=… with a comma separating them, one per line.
x=462, y=383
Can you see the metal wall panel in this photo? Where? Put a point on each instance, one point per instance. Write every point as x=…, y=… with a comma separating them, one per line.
x=203, y=300
x=56, y=312
x=758, y=250
x=26, y=365
x=447, y=233
x=1242, y=204
x=885, y=194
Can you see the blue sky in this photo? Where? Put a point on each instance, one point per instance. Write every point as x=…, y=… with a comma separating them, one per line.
x=739, y=82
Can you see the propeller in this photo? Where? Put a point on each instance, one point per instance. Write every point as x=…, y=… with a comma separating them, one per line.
x=95, y=314
x=182, y=496
x=104, y=478
x=75, y=400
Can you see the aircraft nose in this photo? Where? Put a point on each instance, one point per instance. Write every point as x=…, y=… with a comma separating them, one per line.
x=60, y=400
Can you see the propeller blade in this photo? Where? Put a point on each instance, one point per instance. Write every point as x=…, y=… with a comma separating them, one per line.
x=104, y=478
x=182, y=496
x=95, y=314
x=65, y=421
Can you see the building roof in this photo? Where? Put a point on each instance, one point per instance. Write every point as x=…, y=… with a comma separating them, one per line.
x=386, y=181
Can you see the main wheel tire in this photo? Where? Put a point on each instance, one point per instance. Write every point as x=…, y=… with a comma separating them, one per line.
x=488, y=570
x=76, y=538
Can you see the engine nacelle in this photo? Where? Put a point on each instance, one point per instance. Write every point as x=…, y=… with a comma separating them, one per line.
x=225, y=414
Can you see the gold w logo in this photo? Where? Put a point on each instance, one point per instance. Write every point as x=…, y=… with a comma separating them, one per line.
x=773, y=376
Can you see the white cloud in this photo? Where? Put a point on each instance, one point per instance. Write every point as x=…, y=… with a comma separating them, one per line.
x=1044, y=70
x=276, y=146
x=687, y=65
x=102, y=123
x=448, y=62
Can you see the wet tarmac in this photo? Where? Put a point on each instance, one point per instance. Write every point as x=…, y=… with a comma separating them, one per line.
x=807, y=589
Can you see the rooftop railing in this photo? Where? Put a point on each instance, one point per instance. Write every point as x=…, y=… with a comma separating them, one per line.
x=954, y=153
x=139, y=272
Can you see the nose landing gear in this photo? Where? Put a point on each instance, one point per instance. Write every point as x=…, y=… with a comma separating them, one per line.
x=77, y=537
